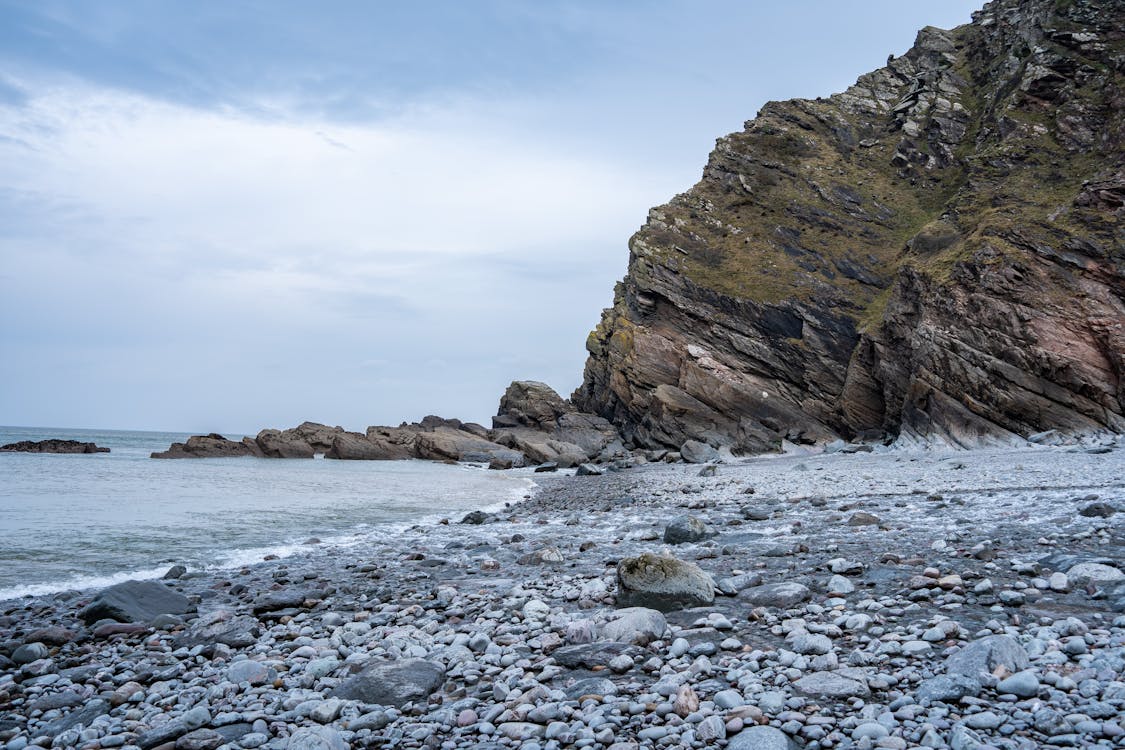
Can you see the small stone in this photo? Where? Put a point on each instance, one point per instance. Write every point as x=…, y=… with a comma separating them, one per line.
x=861, y=518
x=1058, y=582
x=1023, y=684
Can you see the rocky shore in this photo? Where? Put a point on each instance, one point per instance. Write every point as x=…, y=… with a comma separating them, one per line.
x=888, y=600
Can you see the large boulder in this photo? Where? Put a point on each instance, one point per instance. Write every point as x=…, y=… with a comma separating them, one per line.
x=594, y=434
x=529, y=403
x=283, y=444
x=213, y=445
x=636, y=625
x=135, y=601
x=392, y=683
x=695, y=452
x=351, y=446
x=686, y=528
x=982, y=656
x=662, y=582
x=444, y=444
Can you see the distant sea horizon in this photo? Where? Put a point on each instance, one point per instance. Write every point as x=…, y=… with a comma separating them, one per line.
x=90, y=520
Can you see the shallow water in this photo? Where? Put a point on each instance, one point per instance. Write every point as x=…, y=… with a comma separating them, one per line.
x=78, y=521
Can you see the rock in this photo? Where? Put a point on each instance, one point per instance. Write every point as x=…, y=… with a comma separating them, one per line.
x=392, y=683
x=946, y=688
x=588, y=470
x=200, y=739
x=221, y=626
x=317, y=738
x=52, y=445
x=175, y=572
x=52, y=635
x=591, y=655
x=591, y=686
x=863, y=519
x=840, y=586
x=685, y=528
x=248, y=670
x=135, y=601
x=1023, y=684
x=546, y=467
x=208, y=446
x=636, y=625
x=833, y=685
x=1097, y=510
x=531, y=404
x=30, y=652
x=1097, y=574
x=695, y=452
x=477, y=517
x=986, y=654
x=662, y=582
x=353, y=446
x=781, y=595
x=456, y=445
x=285, y=444
x=280, y=599
x=760, y=738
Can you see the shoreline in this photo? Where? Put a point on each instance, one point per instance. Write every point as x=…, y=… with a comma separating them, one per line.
x=516, y=614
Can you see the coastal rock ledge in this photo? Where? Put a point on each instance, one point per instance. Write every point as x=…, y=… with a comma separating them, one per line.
x=534, y=426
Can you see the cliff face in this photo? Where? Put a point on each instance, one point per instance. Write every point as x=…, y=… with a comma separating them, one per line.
x=936, y=253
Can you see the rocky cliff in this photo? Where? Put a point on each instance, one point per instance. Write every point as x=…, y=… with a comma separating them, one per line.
x=934, y=254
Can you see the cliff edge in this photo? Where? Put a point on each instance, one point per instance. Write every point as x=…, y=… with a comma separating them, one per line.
x=935, y=254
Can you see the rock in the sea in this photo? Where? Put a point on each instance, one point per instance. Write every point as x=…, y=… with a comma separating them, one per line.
x=986, y=654
x=392, y=683
x=662, y=582
x=636, y=625
x=135, y=601
x=208, y=446
x=696, y=452
x=687, y=528
x=52, y=445
x=1097, y=510
x=782, y=595
x=861, y=518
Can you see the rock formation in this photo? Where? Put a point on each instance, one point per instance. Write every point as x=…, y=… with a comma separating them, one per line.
x=935, y=254
x=534, y=425
x=52, y=445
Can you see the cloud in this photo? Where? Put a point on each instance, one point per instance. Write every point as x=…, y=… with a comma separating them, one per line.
x=214, y=239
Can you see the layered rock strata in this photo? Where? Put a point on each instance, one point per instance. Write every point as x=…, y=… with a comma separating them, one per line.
x=935, y=254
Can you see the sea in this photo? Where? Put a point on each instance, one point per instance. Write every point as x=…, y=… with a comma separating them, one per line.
x=91, y=520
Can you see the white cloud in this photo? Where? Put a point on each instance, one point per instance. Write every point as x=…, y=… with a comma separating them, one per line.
x=195, y=234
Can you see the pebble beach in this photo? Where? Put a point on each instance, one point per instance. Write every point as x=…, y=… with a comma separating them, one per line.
x=971, y=599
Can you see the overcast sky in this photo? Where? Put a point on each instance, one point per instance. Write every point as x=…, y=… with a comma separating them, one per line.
x=223, y=216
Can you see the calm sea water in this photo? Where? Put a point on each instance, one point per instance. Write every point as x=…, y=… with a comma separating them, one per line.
x=80, y=521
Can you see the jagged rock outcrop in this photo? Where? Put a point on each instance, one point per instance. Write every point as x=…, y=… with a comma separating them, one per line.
x=544, y=428
x=52, y=445
x=935, y=254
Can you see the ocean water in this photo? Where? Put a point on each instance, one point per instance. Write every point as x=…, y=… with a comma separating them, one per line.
x=82, y=521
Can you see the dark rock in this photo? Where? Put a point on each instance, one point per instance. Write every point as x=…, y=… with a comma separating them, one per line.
x=986, y=654
x=200, y=739
x=207, y=446
x=236, y=631
x=52, y=446
x=588, y=470
x=532, y=404
x=83, y=716
x=546, y=467
x=278, y=600
x=1097, y=510
x=52, y=635
x=946, y=688
x=174, y=572
x=598, y=686
x=863, y=519
x=392, y=683
x=135, y=601
x=477, y=517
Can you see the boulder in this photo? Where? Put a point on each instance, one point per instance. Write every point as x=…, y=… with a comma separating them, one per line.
x=833, y=685
x=588, y=470
x=695, y=452
x=283, y=444
x=392, y=683
x=780, y=595
x=456, y=445
x=760, y=738
x=636, y=625
x=687, y=528
x=593, y=434
x=982, y=656
x=662, y=582
x=52, y=445
x=531, y=404
x=207, y=446
x=352, y=446
x=135, y=601
x=1097, y=574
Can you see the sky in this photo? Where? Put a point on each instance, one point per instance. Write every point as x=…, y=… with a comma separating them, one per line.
x=226, y=216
